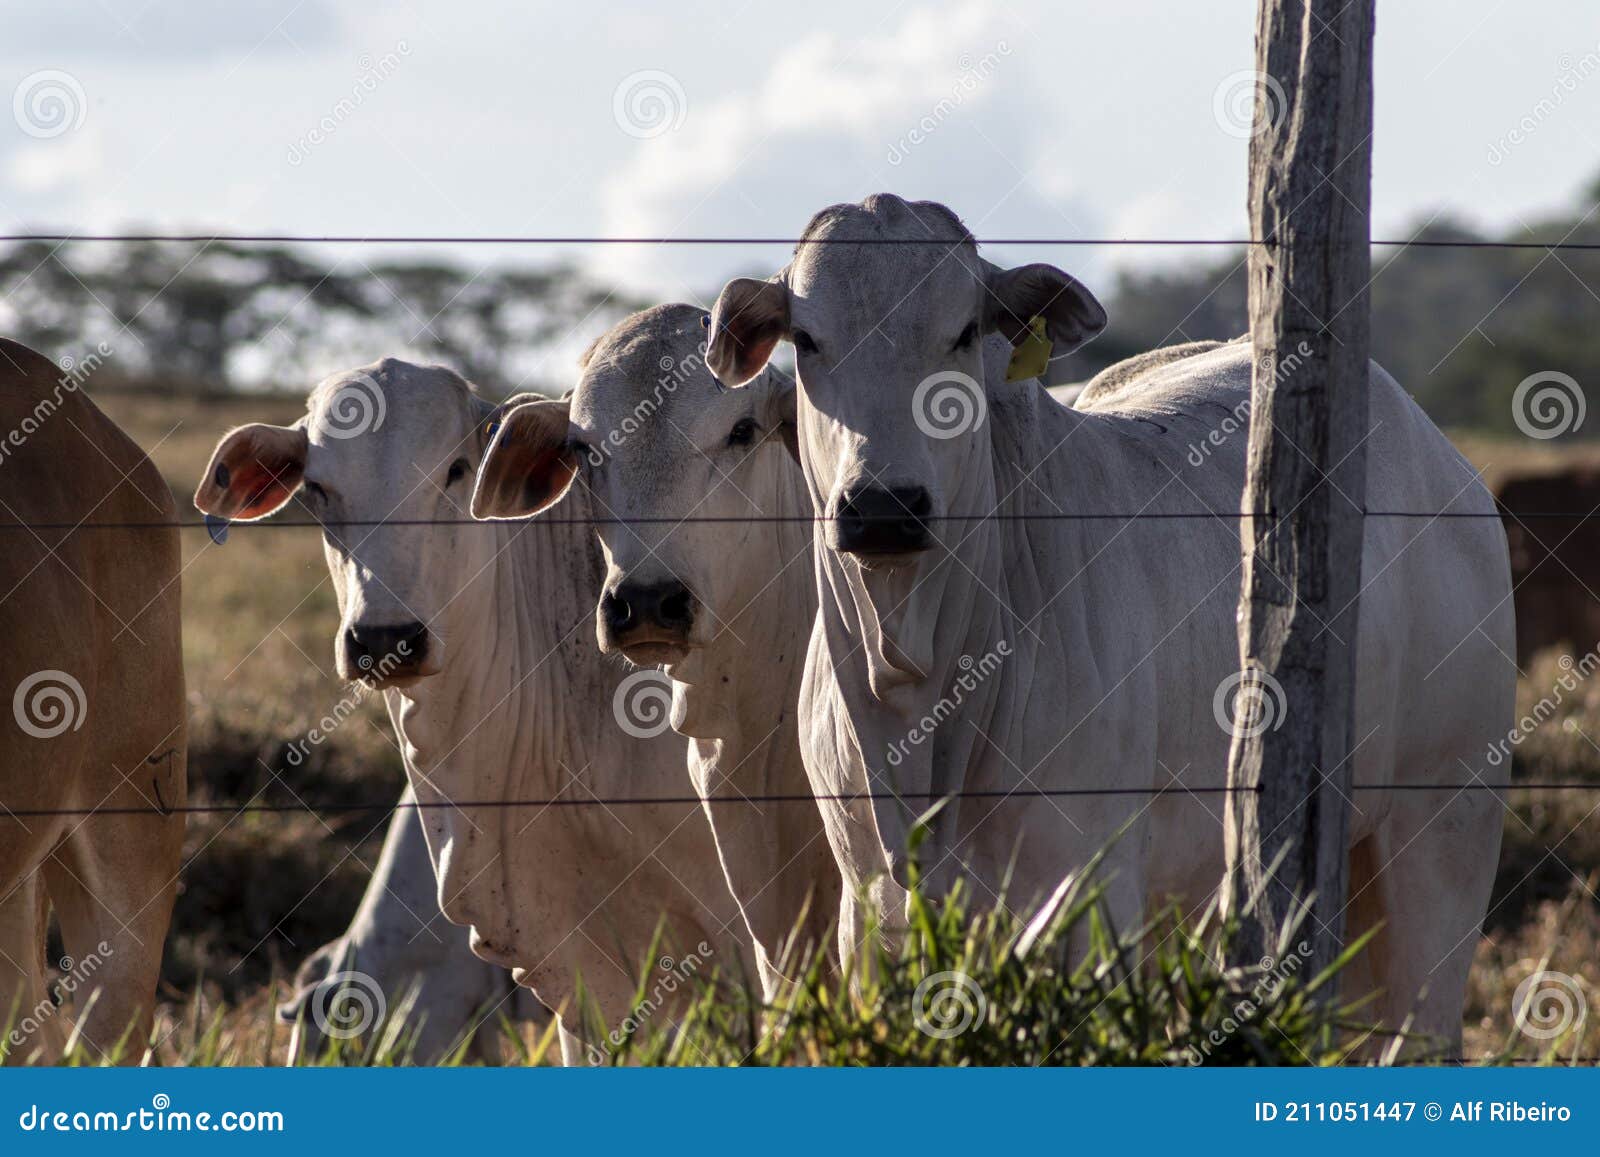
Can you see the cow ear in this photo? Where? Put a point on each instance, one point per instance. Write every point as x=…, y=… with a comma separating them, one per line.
x=253, y=471
x=746, y=323
x=530, y=462
x=1016, y=296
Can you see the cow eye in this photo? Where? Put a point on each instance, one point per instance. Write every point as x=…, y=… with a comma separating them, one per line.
x=316, y=493
x=458, y=471
x=804, y=342
x=967, y=336
x=743, y=432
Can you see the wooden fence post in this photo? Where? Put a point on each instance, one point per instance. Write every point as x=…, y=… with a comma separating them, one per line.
x=1310, y=192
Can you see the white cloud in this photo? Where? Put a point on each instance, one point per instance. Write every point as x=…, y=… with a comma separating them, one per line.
x=819, y=127
x=66, y=164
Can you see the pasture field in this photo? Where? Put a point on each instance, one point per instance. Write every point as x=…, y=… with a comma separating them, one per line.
x=262, y=891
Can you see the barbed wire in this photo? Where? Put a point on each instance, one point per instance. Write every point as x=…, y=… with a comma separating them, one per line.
x=513, y=239
x=668, y=520
x=300, y=806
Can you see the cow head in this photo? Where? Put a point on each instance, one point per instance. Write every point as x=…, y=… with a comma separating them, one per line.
x=656, y=441
x=383, y=459
x=887, y=303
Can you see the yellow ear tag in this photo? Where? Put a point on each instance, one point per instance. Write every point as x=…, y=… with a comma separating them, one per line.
x=1030, y=357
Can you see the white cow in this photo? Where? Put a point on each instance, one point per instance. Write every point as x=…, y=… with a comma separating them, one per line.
x=955, y=652
x=476, y=634
x=653, y=439
x=400, y=939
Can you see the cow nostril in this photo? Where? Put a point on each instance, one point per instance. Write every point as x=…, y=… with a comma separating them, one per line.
x=386, y=648
x=676, y=606
x=618, y=611
x=882, y=520
x=667, y=604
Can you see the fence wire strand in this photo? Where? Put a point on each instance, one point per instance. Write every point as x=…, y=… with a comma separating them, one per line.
x=300, y=806
x=741, y=519
x=512, y=239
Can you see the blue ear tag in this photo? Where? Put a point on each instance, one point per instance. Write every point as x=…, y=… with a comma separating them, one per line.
x=217, y=528
x=491, y=428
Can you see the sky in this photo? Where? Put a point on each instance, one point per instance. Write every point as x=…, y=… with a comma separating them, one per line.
x=740, y=118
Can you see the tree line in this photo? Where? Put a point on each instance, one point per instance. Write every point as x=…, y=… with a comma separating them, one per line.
x=215, y=317
x=1458, y=328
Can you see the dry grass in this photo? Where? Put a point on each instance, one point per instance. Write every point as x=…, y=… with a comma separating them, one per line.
x=263, y=891
x=1545, y=913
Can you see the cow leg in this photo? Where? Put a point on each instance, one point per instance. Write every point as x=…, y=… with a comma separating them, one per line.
x=1426, y=876
x=113, y=882
x=32, y=1030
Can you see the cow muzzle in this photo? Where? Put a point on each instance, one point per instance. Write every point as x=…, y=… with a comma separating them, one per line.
x=648, y=622
x=883, y=525
x=386, y=655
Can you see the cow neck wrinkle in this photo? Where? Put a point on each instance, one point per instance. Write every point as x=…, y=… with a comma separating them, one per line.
x=906, y=613
x=902, y=634
x=962, y=608
x=494, y=682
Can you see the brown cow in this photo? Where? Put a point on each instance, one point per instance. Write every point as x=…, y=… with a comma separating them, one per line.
x=92, y=674
x=1555, y=561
